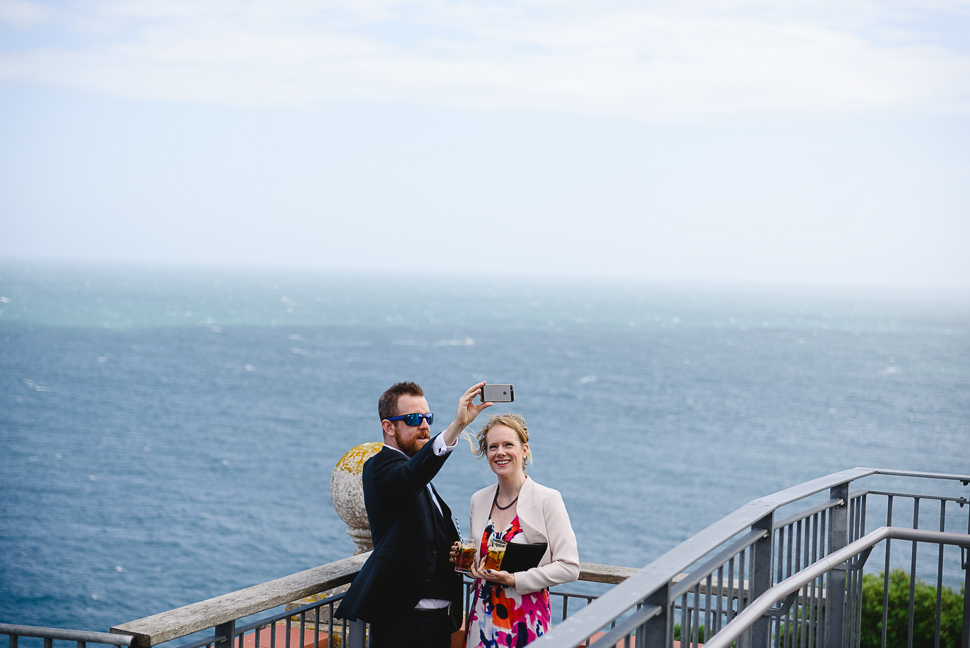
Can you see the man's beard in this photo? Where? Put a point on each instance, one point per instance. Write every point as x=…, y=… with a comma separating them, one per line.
x=410, y=448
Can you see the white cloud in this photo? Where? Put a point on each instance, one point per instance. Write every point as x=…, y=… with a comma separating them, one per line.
x=653, y=61
x=22, y=14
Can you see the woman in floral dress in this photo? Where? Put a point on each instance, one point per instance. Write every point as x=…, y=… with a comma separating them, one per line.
x=512, y=609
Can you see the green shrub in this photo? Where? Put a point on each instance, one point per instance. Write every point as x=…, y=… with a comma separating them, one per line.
x=924, y=613
x=695, y=635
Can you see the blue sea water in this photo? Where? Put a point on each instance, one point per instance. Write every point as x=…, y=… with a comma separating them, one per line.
x=169, y=435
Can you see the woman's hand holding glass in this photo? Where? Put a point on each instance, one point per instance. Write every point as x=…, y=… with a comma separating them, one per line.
x=493, y=575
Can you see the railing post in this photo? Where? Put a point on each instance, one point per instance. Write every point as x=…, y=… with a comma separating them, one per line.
x=762, y=562
x=835, y=592
x=965, y=555
x=356, y=634
x=224, y=632
x=657, y=631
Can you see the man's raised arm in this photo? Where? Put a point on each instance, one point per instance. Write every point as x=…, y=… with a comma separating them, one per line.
x=465, y=414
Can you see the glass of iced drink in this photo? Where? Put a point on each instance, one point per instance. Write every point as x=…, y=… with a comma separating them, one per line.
x=466, y=556
x=496, y=552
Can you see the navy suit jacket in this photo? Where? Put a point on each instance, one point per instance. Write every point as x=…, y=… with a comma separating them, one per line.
x=408, y=537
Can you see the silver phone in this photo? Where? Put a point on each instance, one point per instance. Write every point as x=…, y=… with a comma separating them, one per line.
x=498, y=394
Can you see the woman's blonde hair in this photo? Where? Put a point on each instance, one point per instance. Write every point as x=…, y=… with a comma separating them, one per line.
x=512, y=421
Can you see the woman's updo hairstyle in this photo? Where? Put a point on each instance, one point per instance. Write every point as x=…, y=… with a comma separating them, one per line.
x=512, y=421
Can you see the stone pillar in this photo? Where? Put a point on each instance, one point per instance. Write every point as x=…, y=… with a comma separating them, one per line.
x=347, y=494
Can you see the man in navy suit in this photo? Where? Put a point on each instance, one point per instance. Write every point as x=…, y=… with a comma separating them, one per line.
x=408, y=589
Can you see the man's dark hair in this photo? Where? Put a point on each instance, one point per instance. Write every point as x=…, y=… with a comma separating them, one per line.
x=387, y=405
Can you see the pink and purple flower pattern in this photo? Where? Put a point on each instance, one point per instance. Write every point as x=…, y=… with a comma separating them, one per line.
x=499, y=617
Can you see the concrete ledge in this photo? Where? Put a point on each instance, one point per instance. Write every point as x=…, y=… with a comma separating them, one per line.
x=597, y=573
x=203, y=615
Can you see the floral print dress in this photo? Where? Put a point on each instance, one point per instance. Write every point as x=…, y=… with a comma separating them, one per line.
x=500, y=618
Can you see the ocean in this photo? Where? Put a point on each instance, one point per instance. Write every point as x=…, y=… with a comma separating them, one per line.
x=168, y=435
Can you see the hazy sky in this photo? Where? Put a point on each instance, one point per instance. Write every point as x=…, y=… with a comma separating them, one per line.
x=817, y=142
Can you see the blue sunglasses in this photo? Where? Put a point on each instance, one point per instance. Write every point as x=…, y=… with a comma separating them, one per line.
x=413, y=420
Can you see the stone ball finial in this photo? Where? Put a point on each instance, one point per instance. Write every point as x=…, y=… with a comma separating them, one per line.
x=347, y=493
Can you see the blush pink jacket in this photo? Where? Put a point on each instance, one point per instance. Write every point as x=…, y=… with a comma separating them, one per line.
x=543, y=518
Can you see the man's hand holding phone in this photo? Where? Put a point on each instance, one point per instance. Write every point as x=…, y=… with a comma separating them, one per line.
x=498, y=393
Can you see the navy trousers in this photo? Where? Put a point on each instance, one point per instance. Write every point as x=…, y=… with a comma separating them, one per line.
x=418, y=630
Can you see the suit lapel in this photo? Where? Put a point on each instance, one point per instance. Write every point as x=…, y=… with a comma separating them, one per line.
x=445, y=512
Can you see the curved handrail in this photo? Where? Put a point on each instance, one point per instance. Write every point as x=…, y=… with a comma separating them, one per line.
x=763, y=603
x=618, y=600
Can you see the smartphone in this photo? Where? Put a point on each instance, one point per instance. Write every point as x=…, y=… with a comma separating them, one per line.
x=498, y=394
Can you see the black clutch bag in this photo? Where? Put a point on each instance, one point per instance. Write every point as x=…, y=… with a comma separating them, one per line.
x=522, y=557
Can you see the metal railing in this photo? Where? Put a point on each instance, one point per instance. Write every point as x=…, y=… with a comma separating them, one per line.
x=790, y=586
x=218, y=619
x=221, y=614
x=313, y=624
x=736, y=568
x=81, y=637
x=760, y=577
